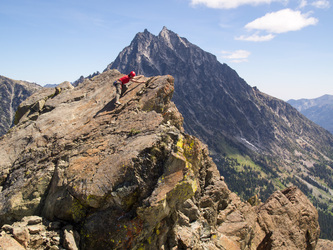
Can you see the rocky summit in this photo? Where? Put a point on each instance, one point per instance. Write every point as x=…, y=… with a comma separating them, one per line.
x=78, y=172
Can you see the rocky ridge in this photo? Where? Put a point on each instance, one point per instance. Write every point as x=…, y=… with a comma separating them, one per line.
x=12, y=93
x=99, y=176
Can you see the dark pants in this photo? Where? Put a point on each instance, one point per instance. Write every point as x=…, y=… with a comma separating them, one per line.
x=120, y=89
x=123, y=90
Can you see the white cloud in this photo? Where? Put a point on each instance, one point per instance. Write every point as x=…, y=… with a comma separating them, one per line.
x=321, y=4
x=236, y=56
x=303, y=3
x=256, y=38
x=282, y=21
x=229, y=4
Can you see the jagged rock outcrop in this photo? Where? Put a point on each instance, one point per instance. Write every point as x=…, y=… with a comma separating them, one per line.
x=128, y=177
x=297, y=221
x=12, y=93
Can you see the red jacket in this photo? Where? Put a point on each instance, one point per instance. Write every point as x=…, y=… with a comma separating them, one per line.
x=124, y=79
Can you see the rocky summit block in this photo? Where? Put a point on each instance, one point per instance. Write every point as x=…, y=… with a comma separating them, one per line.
x=128, y=177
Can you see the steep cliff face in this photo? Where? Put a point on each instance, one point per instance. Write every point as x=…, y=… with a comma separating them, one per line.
x=12, y=93
x=97, y=176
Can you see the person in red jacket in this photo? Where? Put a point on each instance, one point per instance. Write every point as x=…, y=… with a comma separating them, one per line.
x=121, y=85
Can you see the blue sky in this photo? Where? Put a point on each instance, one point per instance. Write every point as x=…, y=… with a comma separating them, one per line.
x=284, y=47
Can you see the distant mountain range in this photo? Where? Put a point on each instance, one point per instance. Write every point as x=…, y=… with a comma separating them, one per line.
x=260, y=143
x=50, y=85
x=319, y=110
x=12, y=93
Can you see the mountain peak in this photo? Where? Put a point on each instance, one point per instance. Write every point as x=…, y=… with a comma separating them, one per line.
x=143, y=36
x=165, y=32
x=172, y=39
x=165, y=29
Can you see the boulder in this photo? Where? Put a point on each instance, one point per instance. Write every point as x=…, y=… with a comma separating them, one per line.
x=34, y=232
x=288, y=220
x=324, y=244
x=9, y=243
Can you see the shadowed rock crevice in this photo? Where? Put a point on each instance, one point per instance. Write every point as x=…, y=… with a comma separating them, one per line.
x=266, y=243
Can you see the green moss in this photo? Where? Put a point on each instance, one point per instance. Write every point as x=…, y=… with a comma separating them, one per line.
x=131, y=199
x=183, y=191
x=77, y=210
x=189, y=149
x=134, y=132
x=278, y=184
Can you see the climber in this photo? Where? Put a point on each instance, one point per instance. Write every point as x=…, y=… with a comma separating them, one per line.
x=121, y=87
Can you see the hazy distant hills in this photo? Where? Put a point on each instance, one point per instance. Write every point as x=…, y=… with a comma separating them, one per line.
x=50, y=85
x=260, y=143
x=319, y=110
x=12, y=93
